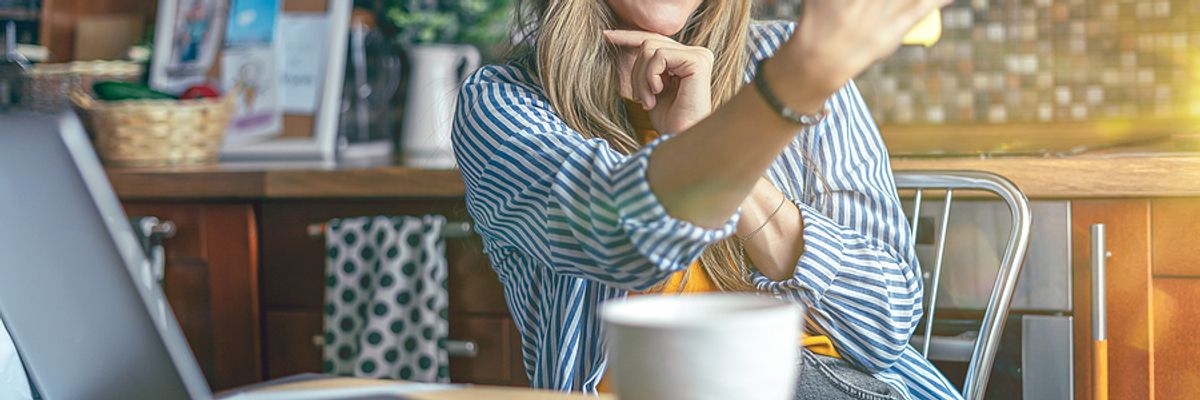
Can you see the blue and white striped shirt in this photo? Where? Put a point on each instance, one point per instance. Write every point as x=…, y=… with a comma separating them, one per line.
x=569, y=223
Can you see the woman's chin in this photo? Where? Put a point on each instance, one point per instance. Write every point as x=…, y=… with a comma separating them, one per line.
x=665, y=28
x=664, y=18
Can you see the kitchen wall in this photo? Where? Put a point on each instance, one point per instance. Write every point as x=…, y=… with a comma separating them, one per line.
x=1005, y=61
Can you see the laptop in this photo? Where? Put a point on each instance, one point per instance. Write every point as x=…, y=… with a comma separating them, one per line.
x=86, y=316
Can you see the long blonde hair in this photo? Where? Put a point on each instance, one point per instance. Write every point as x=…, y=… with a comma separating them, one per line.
x=578, y=72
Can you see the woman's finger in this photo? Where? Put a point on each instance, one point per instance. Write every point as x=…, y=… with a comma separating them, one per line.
x=684, y=62
x=640, y=91
x=631, y=39
x=655, y=68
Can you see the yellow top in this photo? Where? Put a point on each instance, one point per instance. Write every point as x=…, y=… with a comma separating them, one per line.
x=694, y=279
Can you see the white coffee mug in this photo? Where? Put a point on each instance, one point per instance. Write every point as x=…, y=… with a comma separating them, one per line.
x=710, y=346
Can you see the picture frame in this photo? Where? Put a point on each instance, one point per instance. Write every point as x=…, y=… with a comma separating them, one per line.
x=187, y=42
x=308, y=135
x=250, y=71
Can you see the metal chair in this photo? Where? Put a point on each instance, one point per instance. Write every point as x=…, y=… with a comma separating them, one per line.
x=983, y=351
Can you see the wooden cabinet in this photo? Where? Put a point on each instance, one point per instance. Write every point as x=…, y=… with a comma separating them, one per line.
x=216, y=281
x=243, y=263
x=293, y=270
x=1176, y=297
x=1127, y=225
x=211, y=281
x=1153, y=288
x=1175, y=326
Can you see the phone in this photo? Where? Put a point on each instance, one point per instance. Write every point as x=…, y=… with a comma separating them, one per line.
x=927, y=32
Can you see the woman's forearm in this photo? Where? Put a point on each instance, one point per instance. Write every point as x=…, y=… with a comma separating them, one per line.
x=771, y=229
x=704, y=173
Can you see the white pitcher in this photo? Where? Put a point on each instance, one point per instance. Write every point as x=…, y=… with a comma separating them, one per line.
x=432, y=93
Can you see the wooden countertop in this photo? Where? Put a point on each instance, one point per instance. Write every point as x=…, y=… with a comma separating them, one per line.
x=1111, y=176
x=1091, y=159
x=285, y=180
x=1103, y=174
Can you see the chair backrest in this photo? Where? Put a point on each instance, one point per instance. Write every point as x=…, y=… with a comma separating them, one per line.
x=983, y=352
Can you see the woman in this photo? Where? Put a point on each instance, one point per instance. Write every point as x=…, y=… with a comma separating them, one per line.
x=780, y=186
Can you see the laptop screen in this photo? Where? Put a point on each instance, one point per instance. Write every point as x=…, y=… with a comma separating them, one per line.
x=87, y=317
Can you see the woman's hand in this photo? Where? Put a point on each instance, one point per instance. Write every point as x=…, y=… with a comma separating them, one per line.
x=835, y=40
x=671, y=80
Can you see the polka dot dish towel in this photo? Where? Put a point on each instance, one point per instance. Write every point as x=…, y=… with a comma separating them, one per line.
x=385, y=298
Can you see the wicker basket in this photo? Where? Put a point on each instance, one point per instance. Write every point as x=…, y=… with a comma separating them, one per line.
x=48, y=86
x=140, y=133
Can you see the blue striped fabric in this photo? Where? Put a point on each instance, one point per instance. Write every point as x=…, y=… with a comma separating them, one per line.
x=569, y=223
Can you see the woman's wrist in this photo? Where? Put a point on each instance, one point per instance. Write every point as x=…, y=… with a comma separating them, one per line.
x=803, y=77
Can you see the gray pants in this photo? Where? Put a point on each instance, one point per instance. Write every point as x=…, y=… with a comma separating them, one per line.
x=829, y=378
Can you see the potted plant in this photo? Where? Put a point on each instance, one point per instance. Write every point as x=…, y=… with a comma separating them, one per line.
x=442, y=40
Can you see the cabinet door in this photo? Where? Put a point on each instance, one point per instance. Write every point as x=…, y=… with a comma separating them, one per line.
x=1176, y=349
x=498, y=358
x=1128, y=290
x=211, y=282
x=295, y=342
x=1176, y=297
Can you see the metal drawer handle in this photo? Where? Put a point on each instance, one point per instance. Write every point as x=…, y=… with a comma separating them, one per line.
x=164, y=228
x=462, y=348
x=1100, y=256
x=454, y=348
x=153, y=232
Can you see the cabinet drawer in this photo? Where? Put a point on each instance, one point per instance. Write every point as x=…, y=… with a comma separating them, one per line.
x=1176, y=252
x=291, y=348
x=497, y=342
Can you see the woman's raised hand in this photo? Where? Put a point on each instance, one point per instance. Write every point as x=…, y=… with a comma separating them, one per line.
x=671, y=80
x=835, y=40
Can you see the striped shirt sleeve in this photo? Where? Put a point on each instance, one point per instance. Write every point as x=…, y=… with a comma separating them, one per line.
x=857, y=273
x=574, y=204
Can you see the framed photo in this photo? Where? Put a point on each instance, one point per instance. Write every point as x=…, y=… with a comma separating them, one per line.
x=186, y=42
x=290, y=66
x=249, y=65
x=310, y=67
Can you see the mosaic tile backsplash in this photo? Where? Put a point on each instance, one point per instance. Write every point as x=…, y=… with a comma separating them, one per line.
x=1043, y=61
